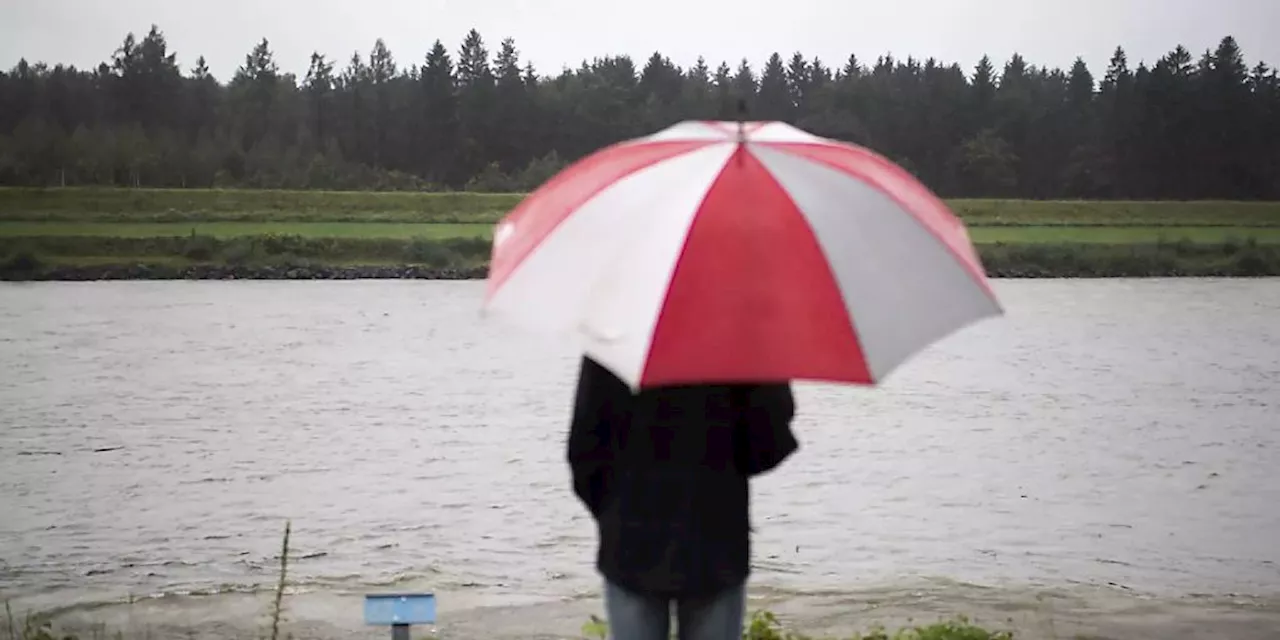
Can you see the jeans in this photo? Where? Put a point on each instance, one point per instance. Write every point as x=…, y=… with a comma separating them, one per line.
x=636, y=616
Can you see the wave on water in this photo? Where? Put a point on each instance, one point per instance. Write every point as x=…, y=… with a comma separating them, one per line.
x=981, y=462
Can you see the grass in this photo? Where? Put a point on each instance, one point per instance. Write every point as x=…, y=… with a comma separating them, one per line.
x=1112, y=235
x=764, y=625
x=233, y=205
x=99, y=261
x=1183, y=258
x=984, y=235
x=43, y=230
x=761, y=625
x=42, y=256
x=241, y=229
x=1117, y=213
x=209, y=205
x=248, y=250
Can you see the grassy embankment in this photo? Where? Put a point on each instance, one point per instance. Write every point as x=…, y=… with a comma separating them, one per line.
x=43, y=230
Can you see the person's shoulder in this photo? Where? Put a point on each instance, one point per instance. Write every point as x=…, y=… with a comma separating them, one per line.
x=752, y=389
x=598, y=376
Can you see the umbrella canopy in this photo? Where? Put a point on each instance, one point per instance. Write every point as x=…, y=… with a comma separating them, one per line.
x=738, y=252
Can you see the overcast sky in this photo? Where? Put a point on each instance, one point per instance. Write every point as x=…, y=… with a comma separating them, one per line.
x=554, y=33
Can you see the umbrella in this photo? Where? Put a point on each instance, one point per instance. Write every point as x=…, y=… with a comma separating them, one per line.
x=738, y=252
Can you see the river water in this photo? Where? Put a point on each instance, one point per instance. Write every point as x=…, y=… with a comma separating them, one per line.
x=1106, y=439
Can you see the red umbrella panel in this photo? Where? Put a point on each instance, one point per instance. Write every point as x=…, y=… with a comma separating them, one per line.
x=737, y=252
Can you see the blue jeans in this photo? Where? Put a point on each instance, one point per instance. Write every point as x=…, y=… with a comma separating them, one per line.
x=636, y=616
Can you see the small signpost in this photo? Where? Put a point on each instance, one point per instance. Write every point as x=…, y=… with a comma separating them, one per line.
x=399, y=611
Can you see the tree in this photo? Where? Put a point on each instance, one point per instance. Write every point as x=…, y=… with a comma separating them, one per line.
x=985, y=165
x=774, y=102
x=1183, y=126
x=799, y=84
x=382, y=79
x=744, y=86
x=513, y=112
x=475, y=100
x=254, y=90
x=437, y=124
x=318, y=87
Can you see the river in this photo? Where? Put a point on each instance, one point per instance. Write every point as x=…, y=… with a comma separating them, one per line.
x=1108, y=450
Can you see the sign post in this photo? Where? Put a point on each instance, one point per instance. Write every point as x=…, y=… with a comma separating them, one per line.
x=399, y=611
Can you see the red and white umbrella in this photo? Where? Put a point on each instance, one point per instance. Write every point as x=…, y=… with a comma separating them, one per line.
x=738, y=252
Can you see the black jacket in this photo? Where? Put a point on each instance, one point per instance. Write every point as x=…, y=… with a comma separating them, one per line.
x=664, y=473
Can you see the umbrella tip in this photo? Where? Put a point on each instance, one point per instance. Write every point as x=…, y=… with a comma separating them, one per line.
x=742, y=108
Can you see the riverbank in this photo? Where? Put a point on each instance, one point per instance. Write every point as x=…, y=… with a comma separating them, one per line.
x=298, y=258
x=284, y=271
x=98, y=204
x=1094, y=613
x=114, y=234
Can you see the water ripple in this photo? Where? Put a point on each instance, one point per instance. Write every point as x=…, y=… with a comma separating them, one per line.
x=157, y=435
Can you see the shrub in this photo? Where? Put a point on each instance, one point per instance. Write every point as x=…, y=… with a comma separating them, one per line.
x=200, y=248
x=23, y=261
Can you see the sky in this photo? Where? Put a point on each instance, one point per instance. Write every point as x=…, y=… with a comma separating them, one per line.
x=557, y=33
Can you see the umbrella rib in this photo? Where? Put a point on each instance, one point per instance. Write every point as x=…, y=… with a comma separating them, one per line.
x=789, y=148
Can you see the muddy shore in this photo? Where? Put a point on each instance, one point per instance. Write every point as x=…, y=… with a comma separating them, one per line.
x=1096, y=613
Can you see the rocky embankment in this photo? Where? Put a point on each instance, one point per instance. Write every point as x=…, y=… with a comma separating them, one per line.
x=1086, y=262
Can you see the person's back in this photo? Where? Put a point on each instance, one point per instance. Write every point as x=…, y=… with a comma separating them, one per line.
x=665, y=474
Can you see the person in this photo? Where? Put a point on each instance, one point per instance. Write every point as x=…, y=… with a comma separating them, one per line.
x=664, y=473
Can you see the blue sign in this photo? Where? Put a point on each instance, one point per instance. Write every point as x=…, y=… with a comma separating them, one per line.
x=400, y=608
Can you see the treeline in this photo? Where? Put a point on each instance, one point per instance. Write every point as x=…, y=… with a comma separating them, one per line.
x=1183, y=127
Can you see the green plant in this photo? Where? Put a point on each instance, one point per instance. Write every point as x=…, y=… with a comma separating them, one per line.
x=595, y=627
x=199, y=248
x=240, y=251
x=764, y=625
x=37, y=627
x=431, y=253
x=24, y=261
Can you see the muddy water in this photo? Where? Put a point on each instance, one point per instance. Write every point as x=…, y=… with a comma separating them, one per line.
x=1108, y=442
